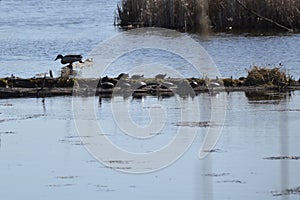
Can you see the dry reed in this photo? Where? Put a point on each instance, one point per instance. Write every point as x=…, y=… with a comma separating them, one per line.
x=267, y=76
x=219, y=15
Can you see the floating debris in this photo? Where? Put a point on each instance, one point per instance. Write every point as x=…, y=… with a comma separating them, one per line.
x=73, y=142
x=195, y=124
x=104, y=188
x=231, y=181
x=77, y=136
x=6, y=104
x=66, y=177
x=287, y=110
x=217, y=175
x=23, y=117
x=283, y=158
x=8, y=132
x=119, y=161
x=213, y=151
x=60, y=185
x=293, y=191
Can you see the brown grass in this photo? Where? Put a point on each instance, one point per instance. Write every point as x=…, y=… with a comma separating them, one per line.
x=229, y=14
x=203, y=15
x=266, y=76
x=175, y=14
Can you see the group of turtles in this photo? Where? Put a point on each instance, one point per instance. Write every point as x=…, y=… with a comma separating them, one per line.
x=136, y=81
x=105, y=82
x=124, y=81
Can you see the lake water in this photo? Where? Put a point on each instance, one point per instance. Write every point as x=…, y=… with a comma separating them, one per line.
x=32, y=33
x=43, y=157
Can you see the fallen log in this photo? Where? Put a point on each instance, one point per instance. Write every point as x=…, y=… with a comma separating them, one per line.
x=258, y=79
x=34, y=92
x=52, y=92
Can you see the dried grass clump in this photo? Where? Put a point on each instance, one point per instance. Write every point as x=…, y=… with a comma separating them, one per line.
x=65, y=82
x=266, y=76
x=3, y=82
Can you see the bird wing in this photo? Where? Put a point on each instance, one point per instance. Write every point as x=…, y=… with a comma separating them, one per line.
x=73, y=56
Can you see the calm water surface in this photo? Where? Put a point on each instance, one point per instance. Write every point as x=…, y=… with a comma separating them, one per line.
x=42, y=157
x=33, y=32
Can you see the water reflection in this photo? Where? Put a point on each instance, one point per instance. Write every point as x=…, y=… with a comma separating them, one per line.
x=284, y=132
x=44, y=105
x=270, y=97
x=142, y=95
x=235, y=169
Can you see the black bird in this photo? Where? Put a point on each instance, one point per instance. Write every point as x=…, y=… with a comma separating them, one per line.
x=69, y=59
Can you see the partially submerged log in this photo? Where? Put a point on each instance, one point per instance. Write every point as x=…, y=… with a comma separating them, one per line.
x=34, y=92
x=258, y=79
x=89, y=87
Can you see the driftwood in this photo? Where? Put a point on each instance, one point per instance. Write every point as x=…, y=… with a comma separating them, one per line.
x=34, y=92
x=264, y=18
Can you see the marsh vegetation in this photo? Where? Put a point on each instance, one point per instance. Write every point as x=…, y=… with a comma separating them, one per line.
x=211, y=15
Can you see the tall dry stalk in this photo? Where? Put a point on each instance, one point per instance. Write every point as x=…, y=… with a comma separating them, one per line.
x=201, y=15
x=229, y=14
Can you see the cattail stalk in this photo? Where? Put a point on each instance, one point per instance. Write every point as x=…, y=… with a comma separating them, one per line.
x=205, y=15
